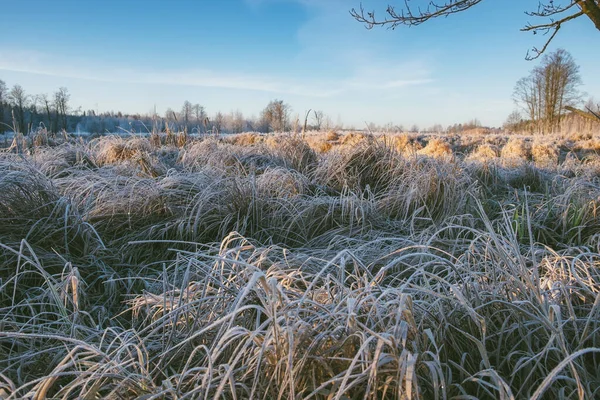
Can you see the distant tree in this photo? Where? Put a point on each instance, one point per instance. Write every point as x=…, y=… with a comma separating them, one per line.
x=548, y=89
x=513, y=120
x=218, y=122
x=437, y=128
x=528, y=94
x=472, y=124
x=276, y=115
x=556, y=13
x=32, y=110
x=187, y=113
x=19, y=100
x=414, y=129
x=47, y=109
x=3, y=95
x=237, y=121
x=199, y=115
x=318, y=117
x=61, y=107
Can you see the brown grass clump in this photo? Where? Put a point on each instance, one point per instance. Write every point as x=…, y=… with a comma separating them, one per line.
x=401, y=142
x=353, y=138
x=436, y=148
x=295, y=152
x=579, y=136
x=588, y=145
x=114, y=149
x=332, y=136
x=322, y=147
x=246, y=139
x=319, y=144
x=515, y=152
x=544, y=154
x=484, y=153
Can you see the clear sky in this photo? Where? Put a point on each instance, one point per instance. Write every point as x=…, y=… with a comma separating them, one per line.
x=130, y=55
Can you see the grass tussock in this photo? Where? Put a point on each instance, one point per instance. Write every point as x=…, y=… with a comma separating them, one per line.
x=485, y=153
x=256, y=268
x=515, y=152
x=544, y=154
x=437, y=148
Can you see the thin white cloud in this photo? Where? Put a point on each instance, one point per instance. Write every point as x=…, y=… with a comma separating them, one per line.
x=369, y=78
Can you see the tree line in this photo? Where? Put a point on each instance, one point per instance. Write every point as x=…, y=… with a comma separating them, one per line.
x=20, y=112
x=24, y=113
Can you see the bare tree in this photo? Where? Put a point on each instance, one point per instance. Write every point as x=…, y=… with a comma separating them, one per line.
x=528, y=94
x=199, y=115
x=548, y=89
x=555, y=13
x=61, y=106
x=318, y=117
x=18, y=100
x=187, y=111
x=218, y=122
x=276, y=115
x=46, y=108
x=562, y=80
x=237, y=121
x=513, y=120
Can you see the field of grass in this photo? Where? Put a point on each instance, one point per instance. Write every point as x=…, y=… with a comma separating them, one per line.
x=337, y=267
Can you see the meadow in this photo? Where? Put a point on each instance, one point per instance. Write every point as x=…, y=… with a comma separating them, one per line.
x=335, y=266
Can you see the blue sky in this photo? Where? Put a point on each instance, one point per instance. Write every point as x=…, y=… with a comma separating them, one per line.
x=131, y=55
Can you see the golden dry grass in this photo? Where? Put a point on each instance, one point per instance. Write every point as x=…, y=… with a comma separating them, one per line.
x=544, y=154
x=484, y=153
x=437, y=148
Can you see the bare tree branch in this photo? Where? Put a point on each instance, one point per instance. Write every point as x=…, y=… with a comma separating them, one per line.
x=409, y=15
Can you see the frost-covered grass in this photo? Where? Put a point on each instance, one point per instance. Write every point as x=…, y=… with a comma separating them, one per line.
x=264, y=267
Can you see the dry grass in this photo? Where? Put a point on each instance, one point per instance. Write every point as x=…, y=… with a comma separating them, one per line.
x=515, y=152
x=353, y=138
x=437, y=148
x=241, y=269
x=484, y=153
x=544, y=154
x=332, y=136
